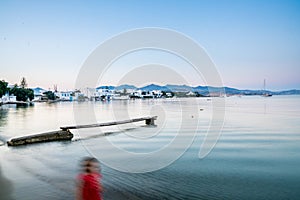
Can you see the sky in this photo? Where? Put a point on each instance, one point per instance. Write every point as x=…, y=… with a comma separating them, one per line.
x=47, y=42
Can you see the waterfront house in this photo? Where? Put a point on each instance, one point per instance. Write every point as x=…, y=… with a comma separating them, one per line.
x=157, y=93
x=78, y=96
x=65, y=96
x=8, y=98
x=136, y=94
x=38, y=93
x=104, y=93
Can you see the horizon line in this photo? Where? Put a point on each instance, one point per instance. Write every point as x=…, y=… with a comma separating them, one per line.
x=166, y=85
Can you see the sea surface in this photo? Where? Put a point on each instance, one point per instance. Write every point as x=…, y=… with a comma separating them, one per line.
x=256, y=156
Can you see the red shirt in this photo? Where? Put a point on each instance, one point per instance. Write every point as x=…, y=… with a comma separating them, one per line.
x=91, y=188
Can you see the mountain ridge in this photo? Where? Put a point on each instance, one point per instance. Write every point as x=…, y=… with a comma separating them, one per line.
x=204, y=90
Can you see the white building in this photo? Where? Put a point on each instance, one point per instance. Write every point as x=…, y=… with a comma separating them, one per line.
x=127, y=90
x=105, y=93
x=65, y=96
x=8, y=98
x=157, y=93
x=78, y=96
x=169, y=94
x=38, y=93
x=136, y=94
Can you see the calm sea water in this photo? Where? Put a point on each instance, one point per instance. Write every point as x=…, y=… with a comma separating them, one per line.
x=256, y=157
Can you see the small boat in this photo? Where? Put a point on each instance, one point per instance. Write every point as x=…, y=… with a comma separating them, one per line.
x=265, y=94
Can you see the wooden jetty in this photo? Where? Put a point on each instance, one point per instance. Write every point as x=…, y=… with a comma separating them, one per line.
x=65, y=134
x=148, y=121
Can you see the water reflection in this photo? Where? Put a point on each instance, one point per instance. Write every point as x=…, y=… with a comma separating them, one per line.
x=6, y=187
x=257, y=156
x=3, y=121
x=3, y=116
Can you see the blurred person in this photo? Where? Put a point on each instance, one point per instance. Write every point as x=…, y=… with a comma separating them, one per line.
x=88, y=184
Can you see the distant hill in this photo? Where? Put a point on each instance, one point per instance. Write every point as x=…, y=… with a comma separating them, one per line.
x=287, y=92
x=179, y=88
x=203, y=90
x=122, y=87
x=154, y=87
x=106, y=87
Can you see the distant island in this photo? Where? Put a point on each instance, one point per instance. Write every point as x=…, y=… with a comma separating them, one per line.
x=126, y=91
x=202, y=90
x=16, y=94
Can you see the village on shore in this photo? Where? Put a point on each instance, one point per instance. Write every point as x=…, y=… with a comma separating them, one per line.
x=14, y=94
x=102, y=93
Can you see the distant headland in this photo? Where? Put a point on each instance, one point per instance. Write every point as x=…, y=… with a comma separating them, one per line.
x=123, y=92
x=22, y=94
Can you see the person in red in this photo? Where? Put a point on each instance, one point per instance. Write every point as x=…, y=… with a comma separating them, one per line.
x=88, y=182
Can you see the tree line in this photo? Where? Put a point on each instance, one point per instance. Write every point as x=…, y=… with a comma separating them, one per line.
x=21, y=92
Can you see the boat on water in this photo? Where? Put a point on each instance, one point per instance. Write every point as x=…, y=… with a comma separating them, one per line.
x=265, y=93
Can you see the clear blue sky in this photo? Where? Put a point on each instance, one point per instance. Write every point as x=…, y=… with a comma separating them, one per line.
x=48, y=41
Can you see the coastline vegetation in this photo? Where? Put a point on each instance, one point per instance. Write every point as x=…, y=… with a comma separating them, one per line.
x=3, y=88
x=21, y=92
x=50, y=95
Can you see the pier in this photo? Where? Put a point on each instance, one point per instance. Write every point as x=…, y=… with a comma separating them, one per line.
x=65, y=134
x=148, y=121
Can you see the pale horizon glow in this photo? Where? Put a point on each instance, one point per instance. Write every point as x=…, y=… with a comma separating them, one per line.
x=47, y=42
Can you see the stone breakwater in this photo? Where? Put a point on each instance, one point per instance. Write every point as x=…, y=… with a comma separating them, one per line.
x=42, y=137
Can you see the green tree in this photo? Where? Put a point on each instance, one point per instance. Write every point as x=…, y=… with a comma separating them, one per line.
x=22, y=94
x=30, y=94
x=3, y=88
x=23, y=83
x=50, y=95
